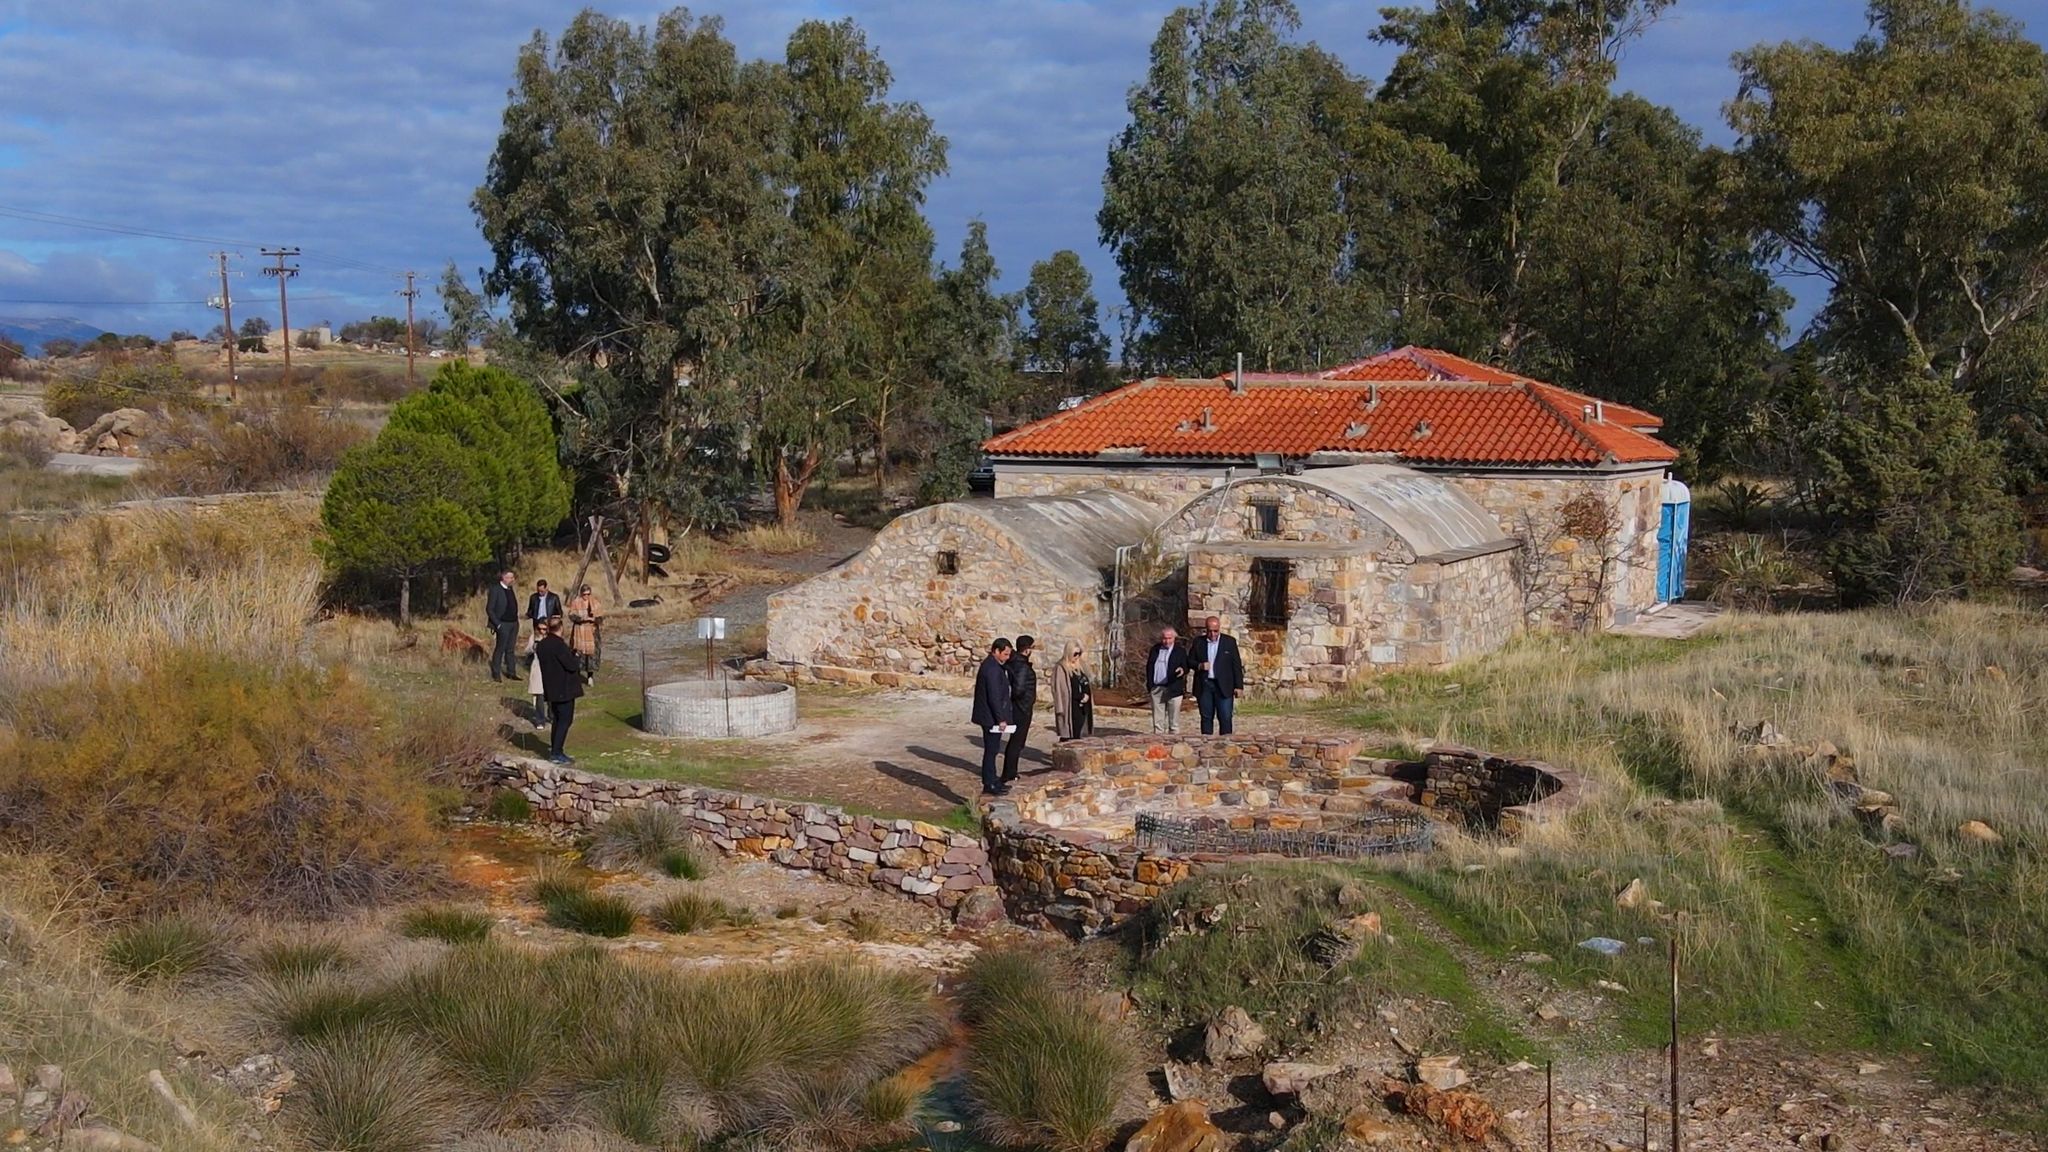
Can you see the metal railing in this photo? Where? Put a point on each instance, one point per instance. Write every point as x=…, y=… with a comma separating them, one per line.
x=1376, y=834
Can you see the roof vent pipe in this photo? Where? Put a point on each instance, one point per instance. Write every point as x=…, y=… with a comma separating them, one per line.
x=1372, y=396
x=1586, y=414
x=1237, y=377
x=1599, y=411
x=1208, y=420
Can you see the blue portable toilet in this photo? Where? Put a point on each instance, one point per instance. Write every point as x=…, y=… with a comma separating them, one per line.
x=1674, y=535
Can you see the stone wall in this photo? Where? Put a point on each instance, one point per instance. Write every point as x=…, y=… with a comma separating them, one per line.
x=1481, y=790
x=890, y=609
x=908, y=858
x=1169, y=488
x=1573, y=576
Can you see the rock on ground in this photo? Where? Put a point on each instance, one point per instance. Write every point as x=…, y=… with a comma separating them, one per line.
x=1182, y=1127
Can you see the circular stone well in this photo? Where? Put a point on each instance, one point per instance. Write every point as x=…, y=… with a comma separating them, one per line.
x=718, y=708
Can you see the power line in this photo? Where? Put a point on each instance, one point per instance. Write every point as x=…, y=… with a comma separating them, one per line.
x=283, y=273
x=155, y=303
x=56, y=219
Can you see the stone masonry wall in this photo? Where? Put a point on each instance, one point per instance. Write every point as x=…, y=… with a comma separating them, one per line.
x=1472, y=608
x=908, y=858
x=891, y=610
x=1170, y=489
x=1569, y=567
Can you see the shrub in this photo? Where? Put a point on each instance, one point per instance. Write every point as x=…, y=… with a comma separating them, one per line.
x=500, y=424
x=164, y=947
x=1042, y=1070
x=511, y=806
x=257, y=449
x=264, y=788
x=591, y=913
x=400, y=507
x=1749, y=572
x=369, y=1090
x=688, y=912
x=1261, y=954
x=554, y=880
x=444, y=742
x=153, y=383
x=637, y=838
x=682, y=864
x=23, y=449
x=446, y=923
x=1738, y=505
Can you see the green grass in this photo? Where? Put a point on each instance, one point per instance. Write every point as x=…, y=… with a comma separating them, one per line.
x=510, y=806
x=681, y=864
x=686, y=912
x=311, y=1006
x=1042, y=1069
x=298, y=958
x=371, y=1090
x=446, y=923
x=164, y=947
x=592, y=913
x=640, y=838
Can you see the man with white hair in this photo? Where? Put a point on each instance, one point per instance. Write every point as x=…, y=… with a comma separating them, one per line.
x=1166, y=681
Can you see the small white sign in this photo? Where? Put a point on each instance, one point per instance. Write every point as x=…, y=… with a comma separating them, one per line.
x=710, y=627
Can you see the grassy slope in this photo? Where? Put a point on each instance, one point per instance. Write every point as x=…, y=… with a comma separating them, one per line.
x=1789, y=917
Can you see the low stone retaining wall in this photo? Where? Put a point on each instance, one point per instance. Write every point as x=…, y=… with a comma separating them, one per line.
x=908, y=858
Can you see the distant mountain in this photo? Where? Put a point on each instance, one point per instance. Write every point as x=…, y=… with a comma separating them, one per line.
x=30, y=333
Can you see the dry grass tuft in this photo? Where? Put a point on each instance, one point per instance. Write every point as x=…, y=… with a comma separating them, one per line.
x=772, y=539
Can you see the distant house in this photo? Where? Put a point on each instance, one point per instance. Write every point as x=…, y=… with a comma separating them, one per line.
x=1407, y=510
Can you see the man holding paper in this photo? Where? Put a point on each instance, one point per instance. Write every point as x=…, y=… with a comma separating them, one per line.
x=992, y=713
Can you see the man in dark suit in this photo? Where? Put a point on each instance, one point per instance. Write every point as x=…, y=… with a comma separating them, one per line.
x=1023, y=701
x=1219, y=676
x=1166, y=681
x=992, y=712
x=561, y=678
x=501, y=612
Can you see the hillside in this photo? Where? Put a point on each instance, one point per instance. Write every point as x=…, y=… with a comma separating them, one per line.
x=31, y=332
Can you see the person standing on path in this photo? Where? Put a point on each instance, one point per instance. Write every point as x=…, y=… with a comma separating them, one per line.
x=1073, y=708
x=584, y=615
x=1166, y=681
x=1219, y=676
x=542, y=606
x=992, y=712
x=501, y=612
x=1023, y=702
x=561, y=681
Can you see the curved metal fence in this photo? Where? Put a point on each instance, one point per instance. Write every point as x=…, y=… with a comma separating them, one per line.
x=1375, y=834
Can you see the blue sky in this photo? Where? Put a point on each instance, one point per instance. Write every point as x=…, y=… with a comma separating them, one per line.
x=357, y=129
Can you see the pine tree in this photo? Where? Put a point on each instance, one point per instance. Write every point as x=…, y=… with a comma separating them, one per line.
x=501, y=425
x=402, y=506
x=1916, y=501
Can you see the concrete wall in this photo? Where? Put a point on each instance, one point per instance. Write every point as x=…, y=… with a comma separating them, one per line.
x=890, y=609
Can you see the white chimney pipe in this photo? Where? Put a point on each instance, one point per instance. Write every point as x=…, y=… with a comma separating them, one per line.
x=1237, y=378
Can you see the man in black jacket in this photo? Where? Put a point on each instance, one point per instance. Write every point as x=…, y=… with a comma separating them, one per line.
x=1166, y=680
x=561, y=679
x=992, y=712
x=1023, y=701
x=542, y=606
x=501, y=613
x=1219, y=676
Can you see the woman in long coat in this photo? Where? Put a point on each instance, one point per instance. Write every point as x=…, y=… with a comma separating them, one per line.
x=584, y=615
x=1073, y=707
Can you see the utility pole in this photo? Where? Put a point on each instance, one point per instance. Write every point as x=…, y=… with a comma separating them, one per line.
x=227, y=320
x=409, y=293
x=284, y=315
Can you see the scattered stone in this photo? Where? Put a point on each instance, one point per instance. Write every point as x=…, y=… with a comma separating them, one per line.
x=96, y=1138
x=1533, y=958
x=1834, y=1142
x=1610, y=986
x=1182, y=1080
x=1604, y=945
x=1550, y=1013
x=1901, y=851
x=1710, y=1048
x=1367, y=1125
x=1182, y=1127
x=169, y=1096
x=49, y=1078
x=1761, y=734
x=1275, y=1121
x=980, y=908
x=1463, y=1114
x=1980, y=832
x=1289, y=1079
x=8, y=1087
x=70, y=1110
x=1234, y=1035
x=1867, y=1068
x=1441, y=1073
x=1632, y=895
x=1521, y=1066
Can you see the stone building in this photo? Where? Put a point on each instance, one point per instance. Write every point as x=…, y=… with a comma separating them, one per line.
x=1578, y=481
x=939, y=584
x=1409, y=510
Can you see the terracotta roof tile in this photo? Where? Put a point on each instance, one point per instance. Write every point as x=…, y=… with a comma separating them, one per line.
x=1414, y=404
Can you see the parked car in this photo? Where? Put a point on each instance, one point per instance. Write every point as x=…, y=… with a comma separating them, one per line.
x=982, y=477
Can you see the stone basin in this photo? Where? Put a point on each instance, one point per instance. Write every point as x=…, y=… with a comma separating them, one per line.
x=718, y=709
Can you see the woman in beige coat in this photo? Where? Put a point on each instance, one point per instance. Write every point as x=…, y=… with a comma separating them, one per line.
x=1073, y=708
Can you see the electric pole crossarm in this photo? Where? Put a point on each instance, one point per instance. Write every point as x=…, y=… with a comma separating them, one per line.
x=283, y=272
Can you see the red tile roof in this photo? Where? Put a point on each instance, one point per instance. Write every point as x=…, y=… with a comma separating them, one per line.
x=1431, y=407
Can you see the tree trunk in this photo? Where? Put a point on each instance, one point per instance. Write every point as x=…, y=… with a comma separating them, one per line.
x=405, y=602
x=882, y=455
x=441, y=605
x=790, y=486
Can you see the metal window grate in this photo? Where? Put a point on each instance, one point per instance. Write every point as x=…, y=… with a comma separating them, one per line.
x=1373, y=835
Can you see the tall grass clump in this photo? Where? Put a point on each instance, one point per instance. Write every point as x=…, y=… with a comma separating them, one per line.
x=638, y=838
x=568, y=901
x=510, y=806
x=299, y=956
x=311, y=1007
x=772, y=539
x=165, y=946
x=1043, y=1071
x=369, y=1089
x=685, y=912
x=446, y=923
x=253, y=448
x=198, y=776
